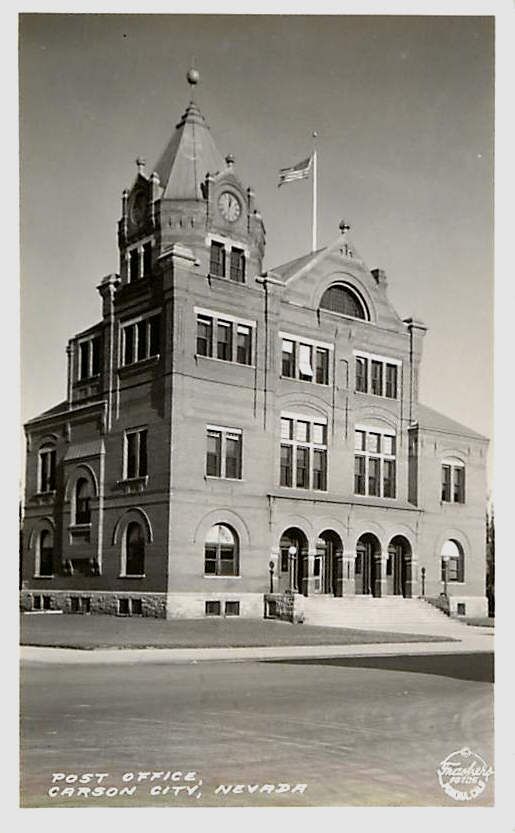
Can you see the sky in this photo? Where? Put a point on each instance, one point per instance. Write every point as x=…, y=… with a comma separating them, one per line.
x=403, y=108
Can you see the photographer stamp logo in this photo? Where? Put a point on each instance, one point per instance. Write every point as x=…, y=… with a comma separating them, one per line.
x=463, y=775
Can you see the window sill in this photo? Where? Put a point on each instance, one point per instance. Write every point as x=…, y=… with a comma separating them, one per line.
x=80, y=527
x=304, y=381
x=44, y=497
x=88, y=381
x=226, y=278
x=214, y=477
x=122, y=575
x=43, y=577
x=127, y=369
x=222, y=361
x=377, y=395
x=452, y=503
x=304, y=491
x=219, y=577
x=132, y=485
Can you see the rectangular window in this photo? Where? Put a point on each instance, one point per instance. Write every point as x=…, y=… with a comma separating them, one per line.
x=286, y=465
x=224, y=341
x=217, y=260
x=204, y=336
x=446, y=484
x=237, y=268
x=361, y=374
x=140, y=340
x=374, y=474
x=47, y=470
x=305, y=363
x=322, y=366
x=136, y=607
x=136, y=454
x=232, y=608
x=319, y=469
x=389, y=478
x=213, y=608
x=74, y=604
x=459, y=484
x=124, y=607
x=375, y=470
x=391, y=381
x=233, y=456
x=303, y=454
x=214, y=454
x=302, y=480
x=224, y=452
x=376, y=378
x=89, y=358
x=147, y=259
x=133, y=265
x=288, y=359
x=243, y=344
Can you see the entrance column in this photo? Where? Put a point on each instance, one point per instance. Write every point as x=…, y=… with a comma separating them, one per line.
x=308, y=578
x=412, y=581
x=379, y=578
x=339, y=569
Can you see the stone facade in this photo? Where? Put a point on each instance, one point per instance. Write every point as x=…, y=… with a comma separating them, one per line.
x=220, y=419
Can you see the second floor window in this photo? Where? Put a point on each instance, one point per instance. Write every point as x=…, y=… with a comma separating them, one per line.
x=135, y=462
x=224, y=339
x=307, y=362
x=223, y=458
x=140, y=340
x=89, y=358
x=46, y=473
x=82, y=502
x=453, y=482
x=374, y=463
x=303, y=463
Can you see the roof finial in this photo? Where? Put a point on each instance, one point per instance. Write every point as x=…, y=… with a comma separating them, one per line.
x=344, y=226
x=193, y=77
x=140, y=162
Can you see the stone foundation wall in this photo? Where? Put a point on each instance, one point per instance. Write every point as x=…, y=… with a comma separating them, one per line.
x=152, y=604
x=193, y=605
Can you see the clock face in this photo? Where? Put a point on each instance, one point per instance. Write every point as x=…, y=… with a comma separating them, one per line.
x=139, y=207
x=230, y=207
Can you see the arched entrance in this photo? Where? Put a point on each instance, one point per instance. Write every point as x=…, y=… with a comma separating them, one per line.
x=293, y=562
x=367, y=567
x=398, y=567
x=325, y=569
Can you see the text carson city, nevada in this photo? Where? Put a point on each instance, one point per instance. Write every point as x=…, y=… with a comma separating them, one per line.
x=172, y=783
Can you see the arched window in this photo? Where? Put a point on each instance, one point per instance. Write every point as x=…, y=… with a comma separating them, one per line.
x=345, y=301
x=453, y=558
x=82, y=501
x=45, y=554
x=221, y=552
x=134, y=550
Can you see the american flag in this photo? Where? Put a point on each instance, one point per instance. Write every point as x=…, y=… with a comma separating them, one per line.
x=300, y=171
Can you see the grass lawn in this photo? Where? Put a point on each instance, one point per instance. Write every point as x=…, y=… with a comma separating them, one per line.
x=87, y=632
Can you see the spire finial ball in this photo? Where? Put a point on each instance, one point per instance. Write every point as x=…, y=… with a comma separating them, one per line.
x=344, y=226
x=193, y=76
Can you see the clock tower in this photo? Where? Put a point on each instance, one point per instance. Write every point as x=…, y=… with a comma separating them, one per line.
x=194, y=197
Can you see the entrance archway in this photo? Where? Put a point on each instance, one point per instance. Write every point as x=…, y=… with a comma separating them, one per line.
x=293, y=547
x=325, y=569
x=367, y=568
x=398, y=567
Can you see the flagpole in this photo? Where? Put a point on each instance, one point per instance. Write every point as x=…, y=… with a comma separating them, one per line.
x=314, y=157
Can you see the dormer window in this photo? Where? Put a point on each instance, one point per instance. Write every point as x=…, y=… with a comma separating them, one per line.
x=89, y=358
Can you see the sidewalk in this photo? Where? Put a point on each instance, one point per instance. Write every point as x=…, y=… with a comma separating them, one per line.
x=482, y=642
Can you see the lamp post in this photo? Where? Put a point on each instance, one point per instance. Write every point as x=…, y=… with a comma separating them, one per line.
x=292, y=552
x=423, y=574
x=271, y=569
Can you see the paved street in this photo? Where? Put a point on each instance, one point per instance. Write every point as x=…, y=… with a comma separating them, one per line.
x=356, y=735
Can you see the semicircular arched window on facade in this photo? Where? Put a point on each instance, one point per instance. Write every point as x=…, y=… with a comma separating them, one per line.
x=344, y=300
x=221, y=551
x=453, y=561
